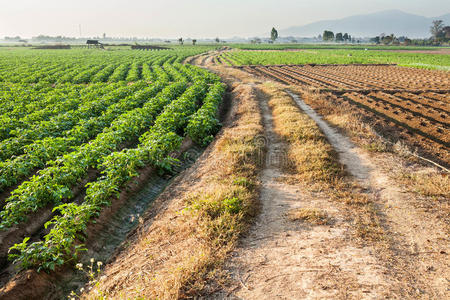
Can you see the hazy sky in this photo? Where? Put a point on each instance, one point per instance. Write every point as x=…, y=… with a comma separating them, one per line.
x=187, y=18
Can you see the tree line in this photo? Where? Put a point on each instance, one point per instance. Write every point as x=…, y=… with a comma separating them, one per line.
x=329, y=36
x=439, y=34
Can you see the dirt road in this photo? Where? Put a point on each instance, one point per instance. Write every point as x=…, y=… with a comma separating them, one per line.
x=281, y=259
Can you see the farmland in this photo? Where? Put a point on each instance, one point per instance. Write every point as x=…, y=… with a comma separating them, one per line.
x=335, y=56
x=415, y=101
x=83, y=66
x=79, y=126
x=347, y=46
x=94, y=145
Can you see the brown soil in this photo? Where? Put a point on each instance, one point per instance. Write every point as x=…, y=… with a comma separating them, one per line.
x=279, y=259
x=357, y=76
x=289, y=260
x=412, y=103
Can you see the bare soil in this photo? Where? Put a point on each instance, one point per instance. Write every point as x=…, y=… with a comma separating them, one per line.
x=412, y=102
x=282, y=259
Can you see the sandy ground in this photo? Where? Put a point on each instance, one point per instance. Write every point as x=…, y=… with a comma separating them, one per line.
x=280, y=259
x=421, y=245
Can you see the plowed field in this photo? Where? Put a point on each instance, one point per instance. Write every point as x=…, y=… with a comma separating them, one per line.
x=414, y=103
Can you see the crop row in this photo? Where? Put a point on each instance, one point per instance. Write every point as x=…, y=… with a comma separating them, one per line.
x=54, y=120
x=320, y=56
x=42, y=151
x=180, y=117
x=356, y=76
x=81, y=66
x=53, y=184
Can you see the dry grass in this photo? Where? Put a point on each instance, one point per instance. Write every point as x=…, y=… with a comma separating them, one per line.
x=314, y=159
x=203, y=214
x=432, y=184
x=316, y=163
x=345, y=117
x=310, y=215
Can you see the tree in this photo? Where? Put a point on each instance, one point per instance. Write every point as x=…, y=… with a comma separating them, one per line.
x=446, y=31
x=217, y=40
x=437, y=29
x=9, y=38
x=194, y=42
x=339, y=37
x=180, y=40
x=328, y=35
x=375, y=40
x=274, y=34
x=345, y=37
x=388, y=39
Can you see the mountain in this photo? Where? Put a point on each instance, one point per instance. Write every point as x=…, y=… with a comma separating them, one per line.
x=389, y=21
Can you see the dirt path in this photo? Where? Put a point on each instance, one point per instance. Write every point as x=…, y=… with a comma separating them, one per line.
x=421, y=245
x=419, y=241
x=281, y=259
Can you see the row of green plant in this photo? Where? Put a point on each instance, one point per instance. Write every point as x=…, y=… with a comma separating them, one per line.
x=204, y=124
x=83, y=66
x=56, y=120
x=40, y=152
x=60, y=101
x=417, y=60
x=68, y=228
x=328, y=46
x=54, y=184
x=21, y=107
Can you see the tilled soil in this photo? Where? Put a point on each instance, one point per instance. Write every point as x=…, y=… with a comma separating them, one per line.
x=356, y=76
x=412, y=101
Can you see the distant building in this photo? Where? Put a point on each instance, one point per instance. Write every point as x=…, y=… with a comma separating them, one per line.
x=94, y=43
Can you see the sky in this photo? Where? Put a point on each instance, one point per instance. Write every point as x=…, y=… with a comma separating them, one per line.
x=186, y=18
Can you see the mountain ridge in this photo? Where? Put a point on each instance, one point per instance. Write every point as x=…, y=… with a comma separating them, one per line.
x=368, y=25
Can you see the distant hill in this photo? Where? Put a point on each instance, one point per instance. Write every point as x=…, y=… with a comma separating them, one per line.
x=389, y=21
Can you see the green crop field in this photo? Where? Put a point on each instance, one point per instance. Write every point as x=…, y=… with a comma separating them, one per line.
x=330, y=46
x=65, y=113
x=84, y=131
x=338, y=56
x=20, y=65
